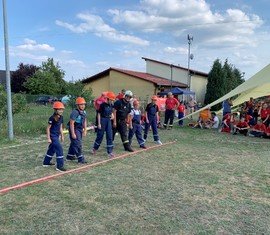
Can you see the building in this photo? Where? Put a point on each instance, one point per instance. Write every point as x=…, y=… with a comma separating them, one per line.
x=198, y=80
x=143, y=85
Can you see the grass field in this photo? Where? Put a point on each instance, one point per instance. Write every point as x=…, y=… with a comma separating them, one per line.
x=205, y=183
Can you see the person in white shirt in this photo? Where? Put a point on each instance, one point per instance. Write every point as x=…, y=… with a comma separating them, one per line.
x=214, y=121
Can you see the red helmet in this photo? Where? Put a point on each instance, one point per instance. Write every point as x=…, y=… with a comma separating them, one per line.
x=58, y=105
x=80, y=100
x=154, y=97
x=110, y=95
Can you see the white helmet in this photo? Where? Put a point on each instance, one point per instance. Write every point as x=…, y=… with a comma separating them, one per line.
x=128, y=93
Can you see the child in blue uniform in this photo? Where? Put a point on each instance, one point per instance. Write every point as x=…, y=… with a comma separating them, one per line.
x=135, y=125
x=54, y=130
x=77, y=129
x=151, y=119
x=104, y=118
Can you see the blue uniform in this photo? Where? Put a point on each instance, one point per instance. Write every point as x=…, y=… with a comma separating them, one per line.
x=137, y=128
x=75, y=148
x=151, y=112
x=55, y=147
x=105, y=112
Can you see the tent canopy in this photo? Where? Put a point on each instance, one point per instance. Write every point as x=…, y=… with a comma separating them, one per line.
x=257, y=86
x=177, y=91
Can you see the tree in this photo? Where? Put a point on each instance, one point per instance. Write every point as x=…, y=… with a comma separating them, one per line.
x=216, y=84
x=42, y=82
x=57, y=72
x=77, y=89
x=47, y=80
x=221, y=80
x=20, y=76
x=233, y=77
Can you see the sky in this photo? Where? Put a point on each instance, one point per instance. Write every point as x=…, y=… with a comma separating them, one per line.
x=86, y=37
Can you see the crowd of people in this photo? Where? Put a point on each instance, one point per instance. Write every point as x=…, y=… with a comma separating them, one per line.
x=253, y=119
x=123, y=114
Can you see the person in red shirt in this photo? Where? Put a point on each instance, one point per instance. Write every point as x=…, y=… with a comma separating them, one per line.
x=226, y=123
x=258, y=130
x=267, y=132
x=121, y=94
x=171, y=104
x=100, y=100
x=249, y=119
x=97, y=103
x=241, y=127
x=264, y=113
x=181, y=113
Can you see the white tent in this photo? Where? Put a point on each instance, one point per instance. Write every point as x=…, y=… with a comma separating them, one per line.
x=257, y=86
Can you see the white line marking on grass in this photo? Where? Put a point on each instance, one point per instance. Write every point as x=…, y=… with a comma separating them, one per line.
x=41, y=141
x=19, y=145
x=76, y=170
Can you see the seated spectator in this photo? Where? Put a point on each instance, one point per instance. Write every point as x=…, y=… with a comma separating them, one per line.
x=241, y=127
x=249, y=119
x=267, y=132
x=264, y=113
x=214, y=121
x=258, y=130
x=226, y=123
x=204, y=119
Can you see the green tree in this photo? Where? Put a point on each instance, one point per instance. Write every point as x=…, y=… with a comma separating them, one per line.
x=47, y=80
x=19, y=77
x=233, y=77
x=216, y=84
x=77, y=89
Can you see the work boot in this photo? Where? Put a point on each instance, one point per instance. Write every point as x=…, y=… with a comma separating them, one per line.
x=128, y=148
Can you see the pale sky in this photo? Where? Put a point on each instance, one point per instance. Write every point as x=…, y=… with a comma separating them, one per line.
x=87, y=37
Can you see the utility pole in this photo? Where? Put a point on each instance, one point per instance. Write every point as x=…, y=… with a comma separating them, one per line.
x=9, y=103
x=190, y=57
x=171, y=75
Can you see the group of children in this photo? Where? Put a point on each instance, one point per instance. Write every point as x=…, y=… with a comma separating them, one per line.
x=77, y=129
x=254, y=120
x=108, y=112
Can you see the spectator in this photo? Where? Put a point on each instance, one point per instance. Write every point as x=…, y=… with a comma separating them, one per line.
x=241, y=127
x=226, y=105
x=214, y=121
x=191, y=105
x=264, y=113
x=258, y=130
x=171, y=104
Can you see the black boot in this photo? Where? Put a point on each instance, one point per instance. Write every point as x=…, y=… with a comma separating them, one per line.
x=128, y=148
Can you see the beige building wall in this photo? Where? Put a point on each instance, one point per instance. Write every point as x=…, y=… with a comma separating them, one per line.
x=166, y=71
x=141, y=88
x=98, y=86
x=198, y=85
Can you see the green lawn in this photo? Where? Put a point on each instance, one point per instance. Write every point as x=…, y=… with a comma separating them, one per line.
x=205, y=183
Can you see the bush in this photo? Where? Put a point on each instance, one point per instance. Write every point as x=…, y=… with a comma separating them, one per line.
x=19, y=103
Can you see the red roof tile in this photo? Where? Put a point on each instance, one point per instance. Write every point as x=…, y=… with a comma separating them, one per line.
x=159, y=81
